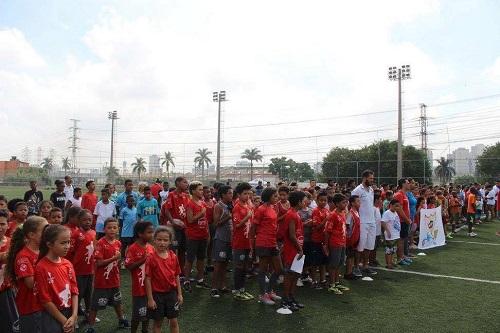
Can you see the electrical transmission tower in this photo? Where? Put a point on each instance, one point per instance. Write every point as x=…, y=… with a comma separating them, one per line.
x=423, y=129
x=74, y=140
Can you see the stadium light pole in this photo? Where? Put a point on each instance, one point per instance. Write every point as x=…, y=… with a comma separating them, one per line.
x=218, y=97
x=399, y=74
x=113, y=116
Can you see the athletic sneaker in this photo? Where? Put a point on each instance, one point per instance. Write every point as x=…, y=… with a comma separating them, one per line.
x=300, y=283
x=266, y=299
x=357, y=272
x=248, y=295
x=274, y=297
x=408, y=260
x=202, y=284
x=307, y=279
x=291, y=305
x=341, y=287
x=402, y=262
x=316, y=285
x=369, y=271
x=471, y=234
x=449, y=236
x=187, y=286
x=123, y=323
x=335, y=290
x=214, y=293
x=297, y=304
x=284, y=309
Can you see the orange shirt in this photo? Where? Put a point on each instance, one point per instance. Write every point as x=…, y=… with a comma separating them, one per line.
x=471, y=204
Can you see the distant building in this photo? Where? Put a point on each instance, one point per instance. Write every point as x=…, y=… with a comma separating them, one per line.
x=464, y=160
x=154, y=165
x=10, y=168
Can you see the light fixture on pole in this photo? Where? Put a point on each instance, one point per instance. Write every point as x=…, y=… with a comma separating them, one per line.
x=219, y=97
x=399, y=74
x=113, y=116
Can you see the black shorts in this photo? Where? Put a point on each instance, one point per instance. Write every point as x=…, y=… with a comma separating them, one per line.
x=351, y=252
x=9, y=318
x=166, y=306
x=126, y=242
x=266, y=251
x=139, y=308
x=405, y=229
x=241, y=255
x=336, y=258
x=211, y=229
x=85, y=284
x=105, y=297
x=221, y=251
x=308, y=253
x=196, y=249
x=31, y=322
x=317, y=256
x=50, y=324
x=179, y=243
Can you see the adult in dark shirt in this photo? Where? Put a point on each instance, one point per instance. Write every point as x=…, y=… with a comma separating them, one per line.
x=58, y=198
x=33, y=198
x=259, y=188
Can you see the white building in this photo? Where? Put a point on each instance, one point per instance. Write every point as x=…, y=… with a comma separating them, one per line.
x=154, y=165
x=464, y=160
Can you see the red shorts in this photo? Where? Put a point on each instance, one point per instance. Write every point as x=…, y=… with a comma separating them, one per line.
x=288, y=255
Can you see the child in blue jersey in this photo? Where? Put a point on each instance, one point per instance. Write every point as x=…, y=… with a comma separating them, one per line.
x=128, y=219
x=147, y=209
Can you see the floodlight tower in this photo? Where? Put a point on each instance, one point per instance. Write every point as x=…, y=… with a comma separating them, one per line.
x=219, y=97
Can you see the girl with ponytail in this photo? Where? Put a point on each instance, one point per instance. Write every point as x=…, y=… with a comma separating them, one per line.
x=21, y=259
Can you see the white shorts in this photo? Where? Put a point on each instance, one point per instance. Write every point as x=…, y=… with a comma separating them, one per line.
x=367, y=235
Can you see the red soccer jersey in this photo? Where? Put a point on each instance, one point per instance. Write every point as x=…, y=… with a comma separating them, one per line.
x=55, y=282
x=12, y=227
x=83, y=259
x=4, y=281
x=266, y=220
x=210, y=211
x=199, y=229
x=135, y=253
x=352, y=239
x=74, y=232
x=289, y=249
x=163, y=272
x=401, y=197
x=240, y=240
x=155, y=190
x=176, y=204
x=26, y=299
x=107, y=276
x=336, y=227
x=89, y=201
x=318, y=216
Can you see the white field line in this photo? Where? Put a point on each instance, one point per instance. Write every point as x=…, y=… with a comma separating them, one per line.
x=480, y=243
x=437, y=275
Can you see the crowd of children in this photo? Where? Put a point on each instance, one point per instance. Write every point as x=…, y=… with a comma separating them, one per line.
x=60, y=259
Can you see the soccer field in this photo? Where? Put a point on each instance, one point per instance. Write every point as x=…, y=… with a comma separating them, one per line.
x=393, y=302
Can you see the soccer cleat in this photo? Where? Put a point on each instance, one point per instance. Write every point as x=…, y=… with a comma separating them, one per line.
x=408, y=260
x=297, y=304
x=284, y=309
x=402, y=262
x=471, y=234
x=357, y=272
x=335, y=290
x=123, y=323
x=265, y=299
x=240, y=296
x=274, y=297
x=214, y=293
x=248, y=295
x=187, y=286
x=449, y=236
x=300, y=283
x=202, y=284
x=341, y=287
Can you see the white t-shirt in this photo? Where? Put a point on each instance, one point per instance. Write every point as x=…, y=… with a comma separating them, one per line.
x=103, y=211
x=68, y=191
x=366, y=215
x=75, y=202
x=392, y=223
x=313, y=204
x=378, y=218
x=492, y=196
x=163, y=196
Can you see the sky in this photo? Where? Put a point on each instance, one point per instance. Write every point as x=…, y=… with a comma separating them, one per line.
x=300, y=77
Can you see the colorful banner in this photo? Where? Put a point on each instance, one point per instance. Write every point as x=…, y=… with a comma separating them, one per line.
x=431, y=229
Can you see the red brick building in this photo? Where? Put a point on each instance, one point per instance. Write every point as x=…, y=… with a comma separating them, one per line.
x=10, y=168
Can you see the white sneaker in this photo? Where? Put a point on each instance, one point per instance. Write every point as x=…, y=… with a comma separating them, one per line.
x=472, y=234
x=274, y=297
x=97, y=320
x=300, y=283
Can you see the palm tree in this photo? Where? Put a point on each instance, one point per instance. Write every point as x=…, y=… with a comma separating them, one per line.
x=66, y=165
x=168, y=159
x=252, y=155
x=112, y=172
x=47, y=164
x=139, y=166
x=202, y=159
x=444, y=171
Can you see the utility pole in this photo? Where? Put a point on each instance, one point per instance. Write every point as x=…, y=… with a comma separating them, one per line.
x=219, y=97
x=423, y=128
x=74, y=139
x=399, y=74
x=113, y=116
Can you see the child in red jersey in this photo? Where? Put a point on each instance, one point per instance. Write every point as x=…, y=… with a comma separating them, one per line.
x=55, y=216
x=173, y=212
x=263, y=243
x=210, y=203
x=107, y=275
x=282, y=207
x=55, y=281
x=318, y=258
x=19, y=217
x=293, y=242
x=45, y=208
x=72, y=223
x=83, y=258
x=8, y=315
x=196, y=236
x=335, y=242
x=135, y=262
x=242, y=215
x=352, y=238
x=163, y=286
x=23, y=254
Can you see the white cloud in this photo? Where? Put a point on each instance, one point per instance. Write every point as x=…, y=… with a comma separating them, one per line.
x=16, y=52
